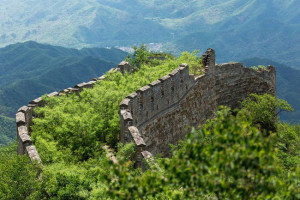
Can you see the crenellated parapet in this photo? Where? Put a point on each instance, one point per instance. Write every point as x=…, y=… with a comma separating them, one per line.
x=26, y=114
x=163, y=112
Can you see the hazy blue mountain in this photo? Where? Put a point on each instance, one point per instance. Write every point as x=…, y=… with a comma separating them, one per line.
x=266, y=28
x=287, y=86
x=237, y=29
x=29, y=70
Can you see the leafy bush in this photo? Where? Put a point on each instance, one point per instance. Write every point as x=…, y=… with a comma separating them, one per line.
x=289, y=145
x=18, y=176
x=195, y=62
x=259, y=67
x=139, y=57
x=227, y=158
x=265, y=109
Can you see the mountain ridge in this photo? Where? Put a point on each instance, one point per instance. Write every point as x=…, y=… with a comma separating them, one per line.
x=272, y=27
x=30, y=70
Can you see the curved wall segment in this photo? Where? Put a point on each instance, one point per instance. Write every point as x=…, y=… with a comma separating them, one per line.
x=162, y=112
x=26, y=114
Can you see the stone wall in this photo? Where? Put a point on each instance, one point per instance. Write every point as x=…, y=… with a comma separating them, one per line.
x=162, y=112
x=234, y=82
x=26, y=114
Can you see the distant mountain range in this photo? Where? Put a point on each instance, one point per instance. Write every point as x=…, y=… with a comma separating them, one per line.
x=236, y=29
x=29, y=70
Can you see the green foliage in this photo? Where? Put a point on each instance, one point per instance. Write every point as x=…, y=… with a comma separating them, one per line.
x=264, y=109
x=140, y=56
x=125, y=152
x=73, y=127
x=7, y=130
x=62, y=186
x=125, y=183
x=195, y=63
x=259, y=67
x=227, y=157
x=18, y=176
x=289, y=145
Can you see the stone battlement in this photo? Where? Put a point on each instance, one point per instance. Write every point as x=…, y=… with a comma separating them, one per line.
x=160, y=113
x=147, y=102
x=26, y=114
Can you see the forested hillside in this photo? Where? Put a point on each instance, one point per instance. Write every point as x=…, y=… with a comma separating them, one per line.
x=237, y=29
x=7, y=129
x=29, y=70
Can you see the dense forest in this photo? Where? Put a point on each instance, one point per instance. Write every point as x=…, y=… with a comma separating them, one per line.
x=240, y=154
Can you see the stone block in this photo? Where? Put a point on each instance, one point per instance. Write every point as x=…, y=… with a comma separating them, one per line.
x=80, y=85
x=124, y=103
x=23, y=109
x=132, y=95
x=24, y=135
x=20, y=118
x=136, y=136
x=32, y=105
x=155, y=83
x=164, y=78
x=101, y=78
x=52, y=94
x=33, y=154
x=92, y=82
x=174, y=72
x=126, y=115
x=143, y=89
x=37, y=101
x=147, y=155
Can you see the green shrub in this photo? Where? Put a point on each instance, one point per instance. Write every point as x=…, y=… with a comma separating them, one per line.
x=265, y=109
x=18, y=176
